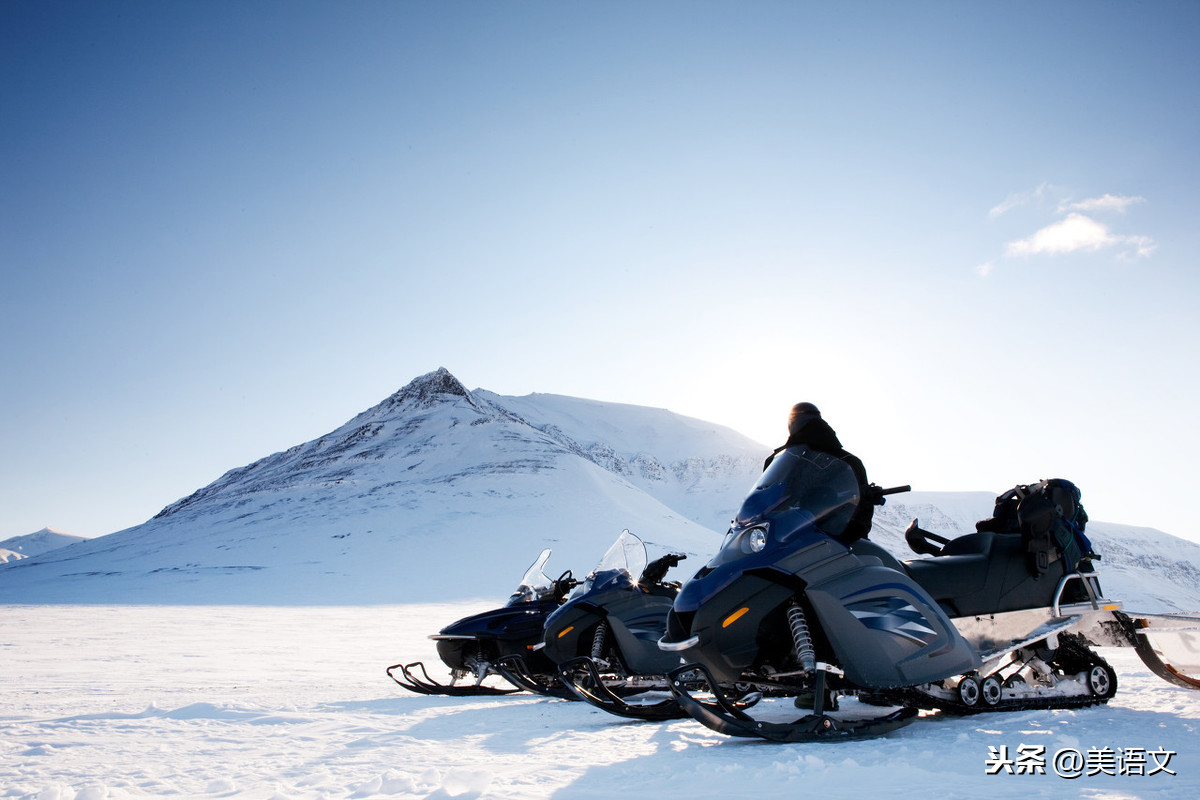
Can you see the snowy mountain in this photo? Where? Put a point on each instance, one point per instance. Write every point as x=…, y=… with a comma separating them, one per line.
x=32, y=544
x=435, y=492
x=440, y=493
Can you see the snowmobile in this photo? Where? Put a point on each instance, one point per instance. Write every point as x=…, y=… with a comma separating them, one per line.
x=476, y=646
x=604, y=638
x=973, y=628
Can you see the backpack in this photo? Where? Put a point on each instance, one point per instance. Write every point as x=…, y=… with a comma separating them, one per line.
x=1050, y=519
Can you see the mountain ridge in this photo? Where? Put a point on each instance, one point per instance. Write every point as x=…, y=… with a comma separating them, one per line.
x=443, y=492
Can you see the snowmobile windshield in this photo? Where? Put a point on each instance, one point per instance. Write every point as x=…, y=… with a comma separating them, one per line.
x=535, y=584
x=802, y=490
x=623, y=561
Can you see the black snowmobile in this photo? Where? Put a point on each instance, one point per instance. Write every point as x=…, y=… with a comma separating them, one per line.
x=785, y=603
x=604, y=638
x=477, y=646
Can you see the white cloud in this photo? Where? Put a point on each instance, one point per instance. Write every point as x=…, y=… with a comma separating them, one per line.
x=1017, y=199
x=1106, y=202
x=1079, y=232
x=1142, y=246
x=1076, y=232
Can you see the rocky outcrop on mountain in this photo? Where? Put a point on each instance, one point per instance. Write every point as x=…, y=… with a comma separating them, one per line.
x=397, y=430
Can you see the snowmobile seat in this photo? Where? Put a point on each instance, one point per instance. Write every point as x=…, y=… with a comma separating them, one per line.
x=984, y=573
x=959, y=570
x=1011, y=585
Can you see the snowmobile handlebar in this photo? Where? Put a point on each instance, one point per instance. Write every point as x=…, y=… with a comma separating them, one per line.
x=877, y=494
x=564, y=584
x=656, y=570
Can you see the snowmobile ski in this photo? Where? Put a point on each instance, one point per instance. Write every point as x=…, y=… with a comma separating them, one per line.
x=516, y=671
x=427, y=685
x=582, y=677
x=729, y=718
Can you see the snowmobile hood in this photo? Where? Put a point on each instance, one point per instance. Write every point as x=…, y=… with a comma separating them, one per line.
x=711, y=580
x=507, y=622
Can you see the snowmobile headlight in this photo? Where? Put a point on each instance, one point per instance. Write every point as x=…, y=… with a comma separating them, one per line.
x=756, y=539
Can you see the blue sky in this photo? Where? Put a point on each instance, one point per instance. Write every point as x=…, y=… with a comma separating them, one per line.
x=965, y=230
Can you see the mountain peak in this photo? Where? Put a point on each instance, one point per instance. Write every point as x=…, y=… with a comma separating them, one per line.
x=430, y=389
x=440, y=380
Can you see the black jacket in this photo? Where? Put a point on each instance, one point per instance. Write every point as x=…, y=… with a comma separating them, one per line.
x=817, y=434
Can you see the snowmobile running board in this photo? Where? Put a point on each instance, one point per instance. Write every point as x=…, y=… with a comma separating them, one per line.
x=427, y=685
x=725, y=717
x=581, y=676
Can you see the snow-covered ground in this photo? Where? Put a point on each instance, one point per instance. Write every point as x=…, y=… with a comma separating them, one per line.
x=271, y=702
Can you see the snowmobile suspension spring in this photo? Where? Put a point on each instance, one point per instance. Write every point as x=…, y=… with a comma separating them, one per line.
x=598, y=639
x=801, y=638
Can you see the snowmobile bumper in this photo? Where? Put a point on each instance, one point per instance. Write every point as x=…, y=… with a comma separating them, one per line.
x=677, y=647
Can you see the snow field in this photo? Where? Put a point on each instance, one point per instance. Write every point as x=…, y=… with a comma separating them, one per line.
x=274, y=703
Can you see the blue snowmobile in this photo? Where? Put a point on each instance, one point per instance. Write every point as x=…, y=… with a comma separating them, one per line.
x=476, y=648
x=991, y=621
x=604, y=638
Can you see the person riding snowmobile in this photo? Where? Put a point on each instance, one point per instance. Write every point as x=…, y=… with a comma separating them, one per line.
x=807, y=427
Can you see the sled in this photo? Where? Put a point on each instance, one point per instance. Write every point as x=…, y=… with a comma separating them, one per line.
x=1169, y=644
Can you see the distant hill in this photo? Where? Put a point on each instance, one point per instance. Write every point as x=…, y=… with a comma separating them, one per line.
x=32, y=544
